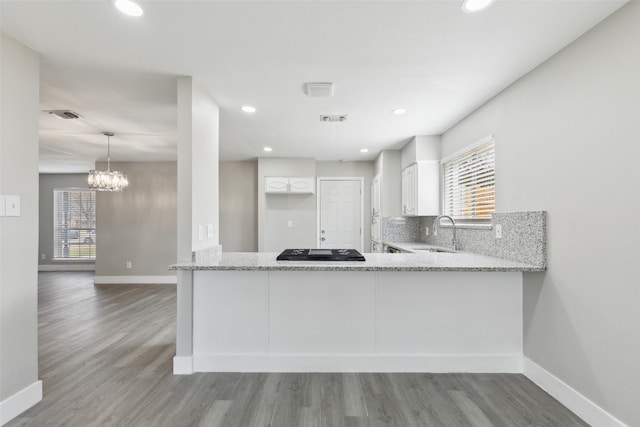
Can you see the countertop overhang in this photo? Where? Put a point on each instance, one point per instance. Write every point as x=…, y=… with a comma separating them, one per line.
x=266, y=261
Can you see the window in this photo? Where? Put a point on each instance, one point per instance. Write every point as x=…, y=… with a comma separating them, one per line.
x=469, y=183
x=74, y=224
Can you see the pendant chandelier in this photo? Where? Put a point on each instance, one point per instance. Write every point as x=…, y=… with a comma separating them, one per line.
x=107, y=180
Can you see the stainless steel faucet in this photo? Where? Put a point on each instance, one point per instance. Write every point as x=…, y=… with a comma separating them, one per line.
x=454, y=241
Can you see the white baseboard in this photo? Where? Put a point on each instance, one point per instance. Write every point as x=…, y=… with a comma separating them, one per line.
x=504, y=363
x=67, y=267
x=20, y=402
x=182, y=365
x=135, y=280
x=586, y=409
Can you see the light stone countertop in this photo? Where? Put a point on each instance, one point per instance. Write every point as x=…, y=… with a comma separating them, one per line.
x=429, y=261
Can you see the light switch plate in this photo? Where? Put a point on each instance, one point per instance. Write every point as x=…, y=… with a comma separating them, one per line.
x=12, y=205
x=200, y=232
x=209, y=231
x=290, y=224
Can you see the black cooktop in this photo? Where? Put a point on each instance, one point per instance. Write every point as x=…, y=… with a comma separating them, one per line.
x=320, y=255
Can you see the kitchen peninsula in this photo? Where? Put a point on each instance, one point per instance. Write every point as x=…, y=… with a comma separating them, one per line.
x=426, y=312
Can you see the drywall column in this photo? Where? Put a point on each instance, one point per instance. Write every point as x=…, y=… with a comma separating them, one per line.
x=19, y=112
x=198, y=210
x=198, y=141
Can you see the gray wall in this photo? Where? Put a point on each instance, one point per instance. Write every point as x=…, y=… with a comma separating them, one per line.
x=20, y=82
x=567, y=142
x=48, y=183
x=275, y=210
x=138, y=224
x=239, y=206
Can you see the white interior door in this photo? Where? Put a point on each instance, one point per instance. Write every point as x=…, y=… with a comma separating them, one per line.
x=340, y=214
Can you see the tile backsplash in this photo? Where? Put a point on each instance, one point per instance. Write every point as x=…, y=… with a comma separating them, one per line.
x=401, y=229
x=206, y=254
x=524, y=237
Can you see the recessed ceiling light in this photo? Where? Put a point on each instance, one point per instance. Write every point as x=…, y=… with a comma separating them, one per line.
x=399, y=111
x=268, y=149
x=249, y=109
x=128, y=7
x=364, y=150
x=471, y=6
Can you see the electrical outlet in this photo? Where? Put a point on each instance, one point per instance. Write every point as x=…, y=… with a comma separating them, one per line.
x=498, y=228
x=129, y=264
x=44, y=256
x=209, y=231
x=426, y=231
x=200, y=232
x=290, y=224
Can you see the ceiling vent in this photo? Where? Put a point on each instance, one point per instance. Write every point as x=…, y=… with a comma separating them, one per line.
x=340, y=118
x=318, y=89
x=64, y=114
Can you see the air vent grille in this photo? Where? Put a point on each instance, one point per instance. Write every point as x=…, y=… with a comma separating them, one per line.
x=64, y=114
x=337, y=118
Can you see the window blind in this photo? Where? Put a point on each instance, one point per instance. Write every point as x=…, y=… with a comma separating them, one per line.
x=74, y=227
x=469, y=184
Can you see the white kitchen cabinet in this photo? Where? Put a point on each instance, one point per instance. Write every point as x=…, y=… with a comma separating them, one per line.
x=289, y=185
x=376, y=229
x=421, y=189
x=375, y=196
x=387, y=169
x=409, y=190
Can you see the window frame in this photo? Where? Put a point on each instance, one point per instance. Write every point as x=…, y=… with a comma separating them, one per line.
x=58, y=251
x=467, y=222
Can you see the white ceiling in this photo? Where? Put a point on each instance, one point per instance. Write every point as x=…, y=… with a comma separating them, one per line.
x=429, y=57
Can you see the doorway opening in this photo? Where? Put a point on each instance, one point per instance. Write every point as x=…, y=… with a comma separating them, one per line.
x=340, y=213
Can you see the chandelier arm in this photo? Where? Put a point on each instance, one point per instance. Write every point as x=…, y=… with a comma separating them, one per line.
x=109, y=152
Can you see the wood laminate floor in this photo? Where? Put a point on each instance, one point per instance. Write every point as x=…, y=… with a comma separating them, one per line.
x=106, y=360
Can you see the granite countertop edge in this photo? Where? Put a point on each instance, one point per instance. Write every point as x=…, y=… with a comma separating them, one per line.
x=266, y=261
x=347, y=268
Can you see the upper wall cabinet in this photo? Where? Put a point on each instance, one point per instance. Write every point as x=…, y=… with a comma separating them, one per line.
x=387, y=169
x=289, y=185
x=421, y=189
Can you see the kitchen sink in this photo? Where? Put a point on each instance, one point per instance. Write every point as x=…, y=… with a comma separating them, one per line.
x=447, y=251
